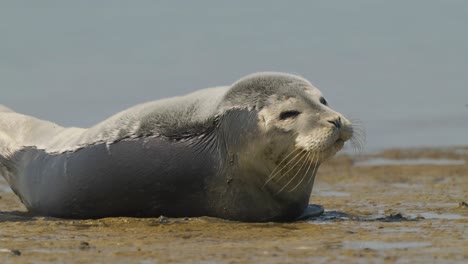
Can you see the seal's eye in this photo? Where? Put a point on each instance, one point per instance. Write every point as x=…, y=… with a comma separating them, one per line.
x=289, y=114
x=323, y=101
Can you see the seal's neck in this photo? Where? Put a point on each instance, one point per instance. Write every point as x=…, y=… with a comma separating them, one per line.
x=240, y=189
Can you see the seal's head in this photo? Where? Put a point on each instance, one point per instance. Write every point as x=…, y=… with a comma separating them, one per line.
x=297, y=129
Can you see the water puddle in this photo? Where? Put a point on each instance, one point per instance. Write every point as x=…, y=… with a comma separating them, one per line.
x=415, y=162
x=333, y=194
x=406, y=186
x=377, y=245
x=461, y=151
x=330, y=216
x=426, y=205
x=333, y=216
x=432, y=215
x=401, y=229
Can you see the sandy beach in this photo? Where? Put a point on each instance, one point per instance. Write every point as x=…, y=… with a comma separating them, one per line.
x=396, y=206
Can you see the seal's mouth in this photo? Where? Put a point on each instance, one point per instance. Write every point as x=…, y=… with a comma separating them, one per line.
x=339, y=143
x=345, y=133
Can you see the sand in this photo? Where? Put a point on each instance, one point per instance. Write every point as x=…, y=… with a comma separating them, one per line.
x=397, y=206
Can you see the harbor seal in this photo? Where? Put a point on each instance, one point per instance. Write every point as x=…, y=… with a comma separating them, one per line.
x=245, y=152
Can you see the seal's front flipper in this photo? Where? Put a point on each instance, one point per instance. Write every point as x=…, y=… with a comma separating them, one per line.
x=312, y=210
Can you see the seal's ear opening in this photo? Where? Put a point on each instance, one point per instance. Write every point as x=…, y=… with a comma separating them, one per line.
x=289, y=114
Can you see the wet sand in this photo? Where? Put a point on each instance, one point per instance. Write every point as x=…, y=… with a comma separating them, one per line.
x=398, y=206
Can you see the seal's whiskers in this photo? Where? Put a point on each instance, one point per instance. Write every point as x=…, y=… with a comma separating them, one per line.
x=297, y=173
x=314, y=171
x=279, y=168
x=283, y=160
x=310, y=161
x=358, y=139
x=299, y=159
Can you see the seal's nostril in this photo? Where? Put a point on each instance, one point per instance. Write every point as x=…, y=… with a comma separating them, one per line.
x=336, y=122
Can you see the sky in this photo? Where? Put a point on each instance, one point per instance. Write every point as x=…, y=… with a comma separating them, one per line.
x=399, y=68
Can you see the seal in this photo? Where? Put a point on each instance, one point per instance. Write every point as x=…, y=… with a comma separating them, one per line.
x=245, y=152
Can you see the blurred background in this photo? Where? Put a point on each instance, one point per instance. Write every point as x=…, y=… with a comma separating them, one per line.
x=400, y=67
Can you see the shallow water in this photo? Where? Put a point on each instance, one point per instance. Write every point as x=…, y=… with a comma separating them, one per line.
x=432, y=215
x=422, y=161
x=377, y=245
x=333, y=193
